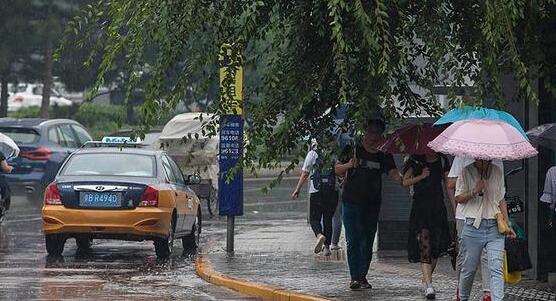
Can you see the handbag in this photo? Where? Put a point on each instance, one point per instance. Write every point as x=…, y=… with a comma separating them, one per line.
x=503, y=227
x=517, y=251
x=510, y=277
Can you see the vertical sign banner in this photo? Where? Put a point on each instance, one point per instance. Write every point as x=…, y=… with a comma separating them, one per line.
x=230, y=191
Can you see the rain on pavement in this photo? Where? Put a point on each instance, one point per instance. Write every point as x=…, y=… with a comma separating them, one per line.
x=118, y=270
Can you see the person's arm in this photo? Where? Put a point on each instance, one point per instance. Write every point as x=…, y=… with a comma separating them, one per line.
x=389, y=167
x=409, y=179
x=395, y=175
x=450, y=183
x=548, y=195
x=308, y=164
x=341, y=168
x=304, y=176
x=466, y=196
x=504, y=210
x=6, y=167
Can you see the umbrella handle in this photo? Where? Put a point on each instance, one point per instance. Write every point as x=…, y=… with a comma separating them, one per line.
x=485, y=174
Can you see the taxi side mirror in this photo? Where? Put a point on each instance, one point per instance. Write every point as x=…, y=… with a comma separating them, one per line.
x=193, y=179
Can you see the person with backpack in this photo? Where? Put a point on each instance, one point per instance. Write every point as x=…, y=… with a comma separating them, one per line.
x=363, y=165
x=323, y=196
x=429, y=234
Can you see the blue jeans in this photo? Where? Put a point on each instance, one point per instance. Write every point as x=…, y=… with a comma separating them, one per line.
x=360, y=223
x=473, y=241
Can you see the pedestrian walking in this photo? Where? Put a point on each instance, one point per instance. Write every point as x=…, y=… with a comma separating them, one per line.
x=337, y=221
x=4, y=186
x=363, y=165
x=429, y=234
x=323, y=197
x=455, y=172
x=337, y=218
x=549, y=197
x=480, y=189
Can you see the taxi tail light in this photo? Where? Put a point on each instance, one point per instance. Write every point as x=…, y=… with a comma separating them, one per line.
x=149, y=198
x=52, y=195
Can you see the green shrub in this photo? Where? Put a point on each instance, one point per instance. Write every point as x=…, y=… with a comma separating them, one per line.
x=163, y=117
x=90, y=114
x=29, y=112
x=66, y=112
x=54, y=112
x=99, y=119
x=103, y=129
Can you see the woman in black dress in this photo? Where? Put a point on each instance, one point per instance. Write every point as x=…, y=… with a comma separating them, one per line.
x=429, y=235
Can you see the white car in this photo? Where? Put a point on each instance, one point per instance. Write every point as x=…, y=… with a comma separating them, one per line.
x=29, y=95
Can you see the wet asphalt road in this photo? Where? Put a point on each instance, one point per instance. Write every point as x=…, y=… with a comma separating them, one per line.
x=118, y=270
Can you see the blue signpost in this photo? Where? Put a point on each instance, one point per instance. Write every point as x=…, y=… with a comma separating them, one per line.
x=230, y=190
x=231, y=145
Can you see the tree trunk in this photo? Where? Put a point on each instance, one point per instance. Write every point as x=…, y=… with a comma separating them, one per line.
x=130, y=112
x=4, y=94
x=47, y=80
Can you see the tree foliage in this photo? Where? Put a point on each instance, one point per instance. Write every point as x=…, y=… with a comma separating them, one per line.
x=306, y=57
x=29, y=31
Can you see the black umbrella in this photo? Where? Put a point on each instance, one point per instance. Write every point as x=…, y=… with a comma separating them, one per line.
x=544, y=135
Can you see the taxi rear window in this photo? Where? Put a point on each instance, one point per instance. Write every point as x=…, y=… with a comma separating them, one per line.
x=125, y=165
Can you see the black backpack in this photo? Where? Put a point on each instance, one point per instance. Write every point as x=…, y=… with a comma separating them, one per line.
x=324, y=176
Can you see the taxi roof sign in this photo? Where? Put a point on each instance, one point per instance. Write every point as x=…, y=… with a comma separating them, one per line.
x=119, y=140
x=114, y=142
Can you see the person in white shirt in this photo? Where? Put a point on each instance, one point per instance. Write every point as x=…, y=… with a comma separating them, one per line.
x=548, y=198
x=549, y=192
x=480, y=189
x=323, y=197
x=455, y=171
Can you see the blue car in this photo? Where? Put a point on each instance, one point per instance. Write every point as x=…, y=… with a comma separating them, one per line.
x=44, y=145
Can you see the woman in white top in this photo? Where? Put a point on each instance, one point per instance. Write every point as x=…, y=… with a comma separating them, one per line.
x=458, y=165
x=480, y=189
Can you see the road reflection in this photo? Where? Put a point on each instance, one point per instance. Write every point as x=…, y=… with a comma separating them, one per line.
x=112, y=270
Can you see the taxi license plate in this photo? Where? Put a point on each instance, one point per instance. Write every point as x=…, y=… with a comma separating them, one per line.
x=100, y=199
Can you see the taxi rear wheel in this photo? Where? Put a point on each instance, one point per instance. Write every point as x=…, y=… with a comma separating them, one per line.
x=54, y=244
x=164, y=246
x=191, y=241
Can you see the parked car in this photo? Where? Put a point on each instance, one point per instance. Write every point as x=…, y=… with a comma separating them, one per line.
x=29, y=95
x=123, y=193
x=44, y=145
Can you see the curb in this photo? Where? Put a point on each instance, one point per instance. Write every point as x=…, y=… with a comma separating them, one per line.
x=262, y=291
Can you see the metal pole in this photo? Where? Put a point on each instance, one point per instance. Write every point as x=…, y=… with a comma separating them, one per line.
x=230, y=234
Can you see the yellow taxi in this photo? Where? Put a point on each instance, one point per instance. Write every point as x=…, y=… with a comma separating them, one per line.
x=120, y=191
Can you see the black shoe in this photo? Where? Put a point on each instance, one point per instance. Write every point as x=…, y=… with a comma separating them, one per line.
x=365, y=284
x=354, y=285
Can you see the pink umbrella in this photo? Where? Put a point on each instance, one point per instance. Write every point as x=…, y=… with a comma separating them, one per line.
x=483, y=139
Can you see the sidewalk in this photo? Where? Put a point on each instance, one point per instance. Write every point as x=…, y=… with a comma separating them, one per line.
x=278, y=253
